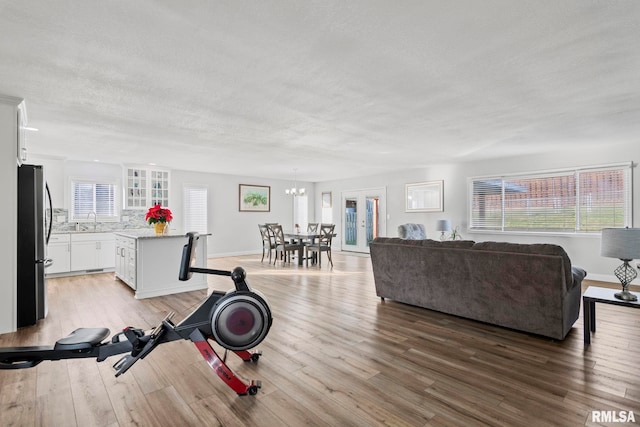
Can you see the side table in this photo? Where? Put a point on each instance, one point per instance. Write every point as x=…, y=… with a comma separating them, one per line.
x=593, y=295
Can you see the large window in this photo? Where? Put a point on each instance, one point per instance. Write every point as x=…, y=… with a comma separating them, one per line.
x=578, y=200
x=195, y=208
x=90, y=198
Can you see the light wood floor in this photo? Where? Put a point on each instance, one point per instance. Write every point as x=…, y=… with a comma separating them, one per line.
x=335, y=356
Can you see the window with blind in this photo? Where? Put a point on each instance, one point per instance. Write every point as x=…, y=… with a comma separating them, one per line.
x=195, y=208
x=89, y=197
x=567, y=201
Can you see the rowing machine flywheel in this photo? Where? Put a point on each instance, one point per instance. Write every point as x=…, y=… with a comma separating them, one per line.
x=240, y=320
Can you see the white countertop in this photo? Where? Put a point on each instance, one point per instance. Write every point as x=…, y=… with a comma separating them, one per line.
x=147, y=234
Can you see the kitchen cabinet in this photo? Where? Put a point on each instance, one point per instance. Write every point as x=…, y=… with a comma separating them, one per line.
x=92, y=251
x=59, y=250
x=125, y=252
x=150, y=263
x=146, y=187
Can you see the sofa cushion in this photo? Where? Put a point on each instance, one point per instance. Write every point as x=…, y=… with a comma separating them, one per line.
x=429, y=243
x=534, y=249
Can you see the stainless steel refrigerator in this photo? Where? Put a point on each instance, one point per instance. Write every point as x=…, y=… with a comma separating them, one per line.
x=34, y=229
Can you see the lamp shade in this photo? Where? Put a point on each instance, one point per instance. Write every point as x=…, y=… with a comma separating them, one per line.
x=443, y=225
x=621, y=243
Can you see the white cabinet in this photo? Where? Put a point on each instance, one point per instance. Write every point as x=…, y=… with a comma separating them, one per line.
x=150, y=264
x=125, y=252
x=92, y=251
x=59, y=250
x=146, y=187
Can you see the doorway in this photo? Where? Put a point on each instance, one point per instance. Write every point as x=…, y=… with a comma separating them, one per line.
x=363, y=218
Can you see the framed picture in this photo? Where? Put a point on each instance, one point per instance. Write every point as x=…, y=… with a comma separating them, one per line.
x=326, y=200
x=424, y=197
x=255, y=198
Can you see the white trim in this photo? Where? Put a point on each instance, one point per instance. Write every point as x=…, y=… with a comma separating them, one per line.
x=555, y=171
x=626, y=167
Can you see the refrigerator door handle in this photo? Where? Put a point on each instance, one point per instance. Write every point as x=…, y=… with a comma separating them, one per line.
x=46, y=187
x=48, y=262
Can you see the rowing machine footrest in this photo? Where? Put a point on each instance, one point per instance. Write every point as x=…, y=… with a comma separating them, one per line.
x=82, y=338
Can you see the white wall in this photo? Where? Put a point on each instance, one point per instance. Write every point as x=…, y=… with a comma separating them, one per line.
x=583, y=250
x=9, y=223
x=233, y=232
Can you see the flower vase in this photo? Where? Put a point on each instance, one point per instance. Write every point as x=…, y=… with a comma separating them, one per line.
x=159, y=227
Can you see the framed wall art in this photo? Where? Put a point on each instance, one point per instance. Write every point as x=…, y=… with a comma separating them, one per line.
x=255, y=198
x=424, y=196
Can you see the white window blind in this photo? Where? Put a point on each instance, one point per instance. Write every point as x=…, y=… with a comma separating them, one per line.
x=301, y=211
x=577, y=200
x=97, y=198
x=195, y=209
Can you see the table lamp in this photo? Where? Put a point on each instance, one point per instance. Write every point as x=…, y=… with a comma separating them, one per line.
x=624, y=244
x=443, y=225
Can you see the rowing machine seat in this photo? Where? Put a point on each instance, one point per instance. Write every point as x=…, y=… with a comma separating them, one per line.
x=82, y=338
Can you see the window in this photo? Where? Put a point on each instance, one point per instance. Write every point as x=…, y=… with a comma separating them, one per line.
x=195, y=208
x=577, y=200
x=90, y=197
x=301, y=211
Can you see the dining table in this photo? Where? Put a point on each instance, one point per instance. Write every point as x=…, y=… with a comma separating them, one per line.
x=301, y=237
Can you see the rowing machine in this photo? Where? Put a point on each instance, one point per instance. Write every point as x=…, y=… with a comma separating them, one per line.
x=237, y=320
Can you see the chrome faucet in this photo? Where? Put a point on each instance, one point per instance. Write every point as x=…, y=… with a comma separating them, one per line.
x=95, y=219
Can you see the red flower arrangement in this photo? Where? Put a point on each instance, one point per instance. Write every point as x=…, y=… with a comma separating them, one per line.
x=158, y=214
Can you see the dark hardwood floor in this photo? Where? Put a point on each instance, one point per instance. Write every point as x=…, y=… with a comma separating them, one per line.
x=335, y=356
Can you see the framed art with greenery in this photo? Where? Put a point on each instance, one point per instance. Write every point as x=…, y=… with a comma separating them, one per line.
x=424, y=197
x=255, y=198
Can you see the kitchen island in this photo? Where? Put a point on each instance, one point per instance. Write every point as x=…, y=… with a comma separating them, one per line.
x=150, y=263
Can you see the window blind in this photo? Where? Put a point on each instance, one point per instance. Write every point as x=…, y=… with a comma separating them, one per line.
x=195, y=209
x=578, y=200
x=93, y=197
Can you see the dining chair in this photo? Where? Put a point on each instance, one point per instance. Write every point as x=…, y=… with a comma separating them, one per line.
x=312, y=227
x=322, y=244
x=283, y=247
x=268, y=243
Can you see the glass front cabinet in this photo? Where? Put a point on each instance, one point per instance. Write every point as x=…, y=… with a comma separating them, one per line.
x=146, y=187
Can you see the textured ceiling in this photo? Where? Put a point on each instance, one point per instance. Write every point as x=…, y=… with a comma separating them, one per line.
x=333, y=88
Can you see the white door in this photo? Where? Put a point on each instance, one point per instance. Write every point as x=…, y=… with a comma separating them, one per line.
x=364, y=217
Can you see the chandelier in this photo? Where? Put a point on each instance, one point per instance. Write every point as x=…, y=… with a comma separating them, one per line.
x=295, y=191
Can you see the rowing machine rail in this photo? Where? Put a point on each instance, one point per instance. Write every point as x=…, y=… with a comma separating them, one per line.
x=237, y=320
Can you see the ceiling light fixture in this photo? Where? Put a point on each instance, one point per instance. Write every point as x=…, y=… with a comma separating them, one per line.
x=295, y=191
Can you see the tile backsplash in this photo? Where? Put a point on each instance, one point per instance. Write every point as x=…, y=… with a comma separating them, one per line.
x=135, y=221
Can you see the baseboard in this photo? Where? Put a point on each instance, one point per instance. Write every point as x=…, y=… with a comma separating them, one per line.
x=228, y=254
x=608, y=278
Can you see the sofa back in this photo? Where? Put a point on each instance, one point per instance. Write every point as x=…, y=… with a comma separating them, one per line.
x=522, y=287
x=533, y=249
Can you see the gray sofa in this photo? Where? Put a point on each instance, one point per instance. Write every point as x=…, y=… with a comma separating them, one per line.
x=531, y=288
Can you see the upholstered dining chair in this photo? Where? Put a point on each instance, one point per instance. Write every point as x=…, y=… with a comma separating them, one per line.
x=322, y=244
x=268, y=243
x=283, y=247
x=412, y=231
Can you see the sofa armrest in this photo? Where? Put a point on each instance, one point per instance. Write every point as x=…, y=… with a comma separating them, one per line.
x=577, y=274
